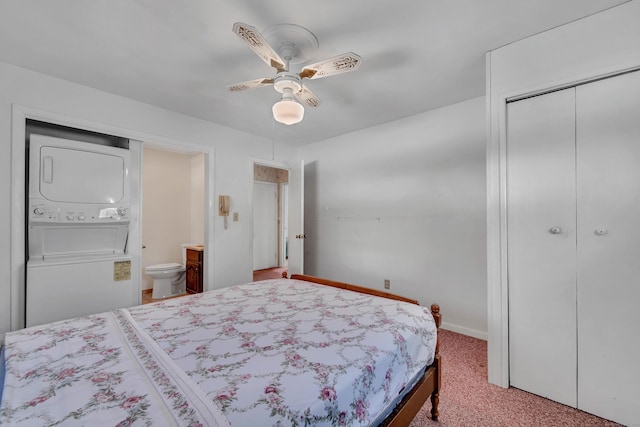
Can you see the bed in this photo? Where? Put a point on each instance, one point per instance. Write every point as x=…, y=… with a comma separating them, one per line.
x=298, y=351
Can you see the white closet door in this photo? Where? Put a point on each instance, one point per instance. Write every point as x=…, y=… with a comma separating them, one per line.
x=608, y=170
x=541, y=218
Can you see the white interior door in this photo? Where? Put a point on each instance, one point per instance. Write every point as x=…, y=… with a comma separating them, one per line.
x=608, y=162
x=265, y=225
x=541, y=217
x=284, y=221
x=296, y=219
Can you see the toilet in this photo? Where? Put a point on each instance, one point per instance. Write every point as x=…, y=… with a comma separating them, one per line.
x=168, y=279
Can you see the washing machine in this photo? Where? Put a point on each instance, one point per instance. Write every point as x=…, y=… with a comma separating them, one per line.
x=78, y=227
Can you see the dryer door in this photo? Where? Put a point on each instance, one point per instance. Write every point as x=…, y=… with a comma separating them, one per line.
x=66, y=171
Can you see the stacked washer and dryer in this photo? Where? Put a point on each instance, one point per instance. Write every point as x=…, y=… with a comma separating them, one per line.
x=78, y=227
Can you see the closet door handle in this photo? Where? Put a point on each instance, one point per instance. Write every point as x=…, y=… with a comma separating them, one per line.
x=555, y=230
x=600, y=231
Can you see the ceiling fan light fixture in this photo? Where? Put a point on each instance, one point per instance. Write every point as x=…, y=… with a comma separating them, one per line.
x=288, y=111
x=294, y=45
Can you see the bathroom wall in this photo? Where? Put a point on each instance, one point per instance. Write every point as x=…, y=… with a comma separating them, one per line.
x=197, y=198
x=167, y=211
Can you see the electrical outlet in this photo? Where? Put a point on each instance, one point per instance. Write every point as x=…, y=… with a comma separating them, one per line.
x=387, y=283
x=235, y=216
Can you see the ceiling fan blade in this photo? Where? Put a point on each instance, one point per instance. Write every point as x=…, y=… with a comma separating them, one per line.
x=307, y=97
x=237, y=87
x=338, y=64
x=259, y=45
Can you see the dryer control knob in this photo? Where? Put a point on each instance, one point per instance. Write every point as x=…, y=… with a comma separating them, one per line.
x=80, y=217
x=38, y=211
x=70, y=217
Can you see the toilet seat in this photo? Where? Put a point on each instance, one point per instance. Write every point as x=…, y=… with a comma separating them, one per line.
x=170, y=266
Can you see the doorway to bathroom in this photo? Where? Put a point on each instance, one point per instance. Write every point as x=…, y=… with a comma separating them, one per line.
x=270, y=221
x=173, y=206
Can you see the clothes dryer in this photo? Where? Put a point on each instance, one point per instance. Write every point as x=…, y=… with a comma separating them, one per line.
x=78, y=228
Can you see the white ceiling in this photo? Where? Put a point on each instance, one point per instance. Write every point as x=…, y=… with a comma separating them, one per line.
x=181, y=54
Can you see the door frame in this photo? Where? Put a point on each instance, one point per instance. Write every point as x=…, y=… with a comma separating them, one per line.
x=271, y=164
x=172, y=148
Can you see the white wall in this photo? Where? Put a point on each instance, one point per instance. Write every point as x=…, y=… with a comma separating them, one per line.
x=593, y=47
x=405, y=201
x=197, y=198
x=234, y=152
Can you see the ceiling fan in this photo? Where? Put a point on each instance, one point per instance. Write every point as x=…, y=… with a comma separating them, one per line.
x=280, y=46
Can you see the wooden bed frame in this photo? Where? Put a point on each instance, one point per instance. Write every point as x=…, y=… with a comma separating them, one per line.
x=428, y=385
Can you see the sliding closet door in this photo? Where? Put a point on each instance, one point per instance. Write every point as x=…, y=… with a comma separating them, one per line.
x=541, y=218
x=608, y=170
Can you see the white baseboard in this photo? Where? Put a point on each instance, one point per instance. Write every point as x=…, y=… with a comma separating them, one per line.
x=465, y=331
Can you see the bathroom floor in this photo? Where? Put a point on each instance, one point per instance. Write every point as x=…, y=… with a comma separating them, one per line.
x=146, y=296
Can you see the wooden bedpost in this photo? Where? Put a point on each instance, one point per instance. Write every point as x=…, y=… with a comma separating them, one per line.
x=284, y=274
x=437, y=362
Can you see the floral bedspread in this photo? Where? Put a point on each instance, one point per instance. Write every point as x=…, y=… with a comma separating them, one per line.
x=286, y=352
x=276, y=352
x=98, y=370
